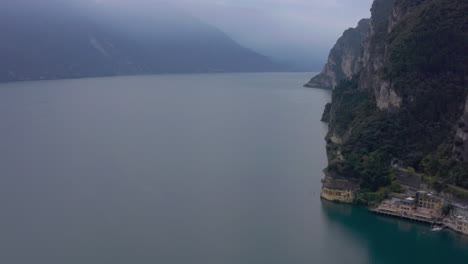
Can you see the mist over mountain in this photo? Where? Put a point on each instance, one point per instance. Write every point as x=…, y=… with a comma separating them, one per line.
x=54, y=39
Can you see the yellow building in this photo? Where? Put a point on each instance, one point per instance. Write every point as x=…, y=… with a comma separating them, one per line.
x=427, y=200
x=338, y=190
x=461, y=225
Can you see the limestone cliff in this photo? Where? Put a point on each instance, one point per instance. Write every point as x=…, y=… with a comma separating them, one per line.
x=375, y=56
x=344, y=59
x=406, y=98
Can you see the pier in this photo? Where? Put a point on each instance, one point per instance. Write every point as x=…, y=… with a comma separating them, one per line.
x=415, y=218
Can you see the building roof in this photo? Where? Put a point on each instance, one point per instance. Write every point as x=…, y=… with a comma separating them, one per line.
x=461, y=206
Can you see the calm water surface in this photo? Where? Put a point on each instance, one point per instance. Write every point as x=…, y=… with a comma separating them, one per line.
x=202, y=169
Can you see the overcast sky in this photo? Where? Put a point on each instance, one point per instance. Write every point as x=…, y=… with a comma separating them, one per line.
x=297, y=31
x=302, y=31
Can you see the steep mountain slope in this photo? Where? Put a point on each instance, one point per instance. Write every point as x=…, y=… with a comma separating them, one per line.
x=53, y=39
x=460, y=150
x=345, y=59
x=408, y=102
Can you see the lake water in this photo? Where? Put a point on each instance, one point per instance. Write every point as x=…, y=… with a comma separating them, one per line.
x=199, y=169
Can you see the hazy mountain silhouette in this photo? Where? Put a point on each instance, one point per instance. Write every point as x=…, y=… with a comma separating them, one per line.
x=52, y=39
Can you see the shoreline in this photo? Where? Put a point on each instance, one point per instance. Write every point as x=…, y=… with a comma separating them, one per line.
x=445, y=223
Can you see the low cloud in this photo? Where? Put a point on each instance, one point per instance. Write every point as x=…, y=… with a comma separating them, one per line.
x=297, y=31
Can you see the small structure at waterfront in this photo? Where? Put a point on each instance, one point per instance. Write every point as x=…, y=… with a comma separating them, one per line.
x=460, y=210
x=461, y=224
x=338, y=190
x=409, y=208
x=426, y=207
x=458, y=220
x=428, y=200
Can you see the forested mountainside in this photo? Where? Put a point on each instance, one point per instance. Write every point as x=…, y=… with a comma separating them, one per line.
x=408, y=100
x=55, y=39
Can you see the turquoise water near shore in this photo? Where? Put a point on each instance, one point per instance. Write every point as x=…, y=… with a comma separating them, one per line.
x=391, y=240
x=175, y=169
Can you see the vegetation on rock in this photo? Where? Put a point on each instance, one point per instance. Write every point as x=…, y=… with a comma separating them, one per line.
x=426, y=64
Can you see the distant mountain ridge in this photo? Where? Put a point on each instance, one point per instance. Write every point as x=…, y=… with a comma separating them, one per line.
x=53, y=39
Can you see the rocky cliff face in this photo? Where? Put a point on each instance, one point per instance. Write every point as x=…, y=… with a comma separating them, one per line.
x=407, y=99
x=460, y=149
x=375, y=56
x=344, y=60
